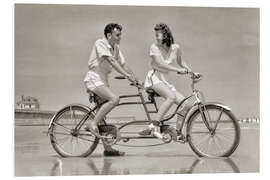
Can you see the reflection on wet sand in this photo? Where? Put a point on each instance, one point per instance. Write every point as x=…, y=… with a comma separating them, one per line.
x=57, y=169
x=34, y=156
x=199, y=165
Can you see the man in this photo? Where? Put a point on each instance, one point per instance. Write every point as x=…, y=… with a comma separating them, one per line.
x=105, y=56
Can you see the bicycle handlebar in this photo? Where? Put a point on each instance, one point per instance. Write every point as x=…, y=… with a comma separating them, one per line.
x=119, y=77
x=195, y=77
x=137, y=83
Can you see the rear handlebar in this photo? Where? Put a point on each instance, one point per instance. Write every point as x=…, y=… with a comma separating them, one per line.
x=136, y=83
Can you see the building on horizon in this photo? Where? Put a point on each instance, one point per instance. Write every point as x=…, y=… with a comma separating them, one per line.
x=28, y=103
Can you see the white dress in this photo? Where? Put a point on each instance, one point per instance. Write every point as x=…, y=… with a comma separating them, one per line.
x=158, y=75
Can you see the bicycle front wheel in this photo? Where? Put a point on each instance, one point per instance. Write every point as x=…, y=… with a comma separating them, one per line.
x=219, y=138
x=66, y=139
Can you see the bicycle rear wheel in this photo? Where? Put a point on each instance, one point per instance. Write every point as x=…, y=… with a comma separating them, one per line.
x=67, y=141
x=219, y=143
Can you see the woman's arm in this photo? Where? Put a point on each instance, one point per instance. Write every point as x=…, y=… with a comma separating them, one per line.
x=161, y=64
x=180, y=61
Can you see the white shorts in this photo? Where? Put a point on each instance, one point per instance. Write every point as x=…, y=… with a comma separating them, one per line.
x=92, y=80
x=154, y=77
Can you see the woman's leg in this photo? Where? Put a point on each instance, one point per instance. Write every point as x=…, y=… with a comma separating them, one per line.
x=165, y=92
x=169, y=96
x=182, y=111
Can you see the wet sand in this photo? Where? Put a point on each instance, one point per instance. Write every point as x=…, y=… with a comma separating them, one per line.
x=34, y=156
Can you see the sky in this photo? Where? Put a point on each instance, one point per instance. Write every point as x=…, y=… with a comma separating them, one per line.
x=53, y=44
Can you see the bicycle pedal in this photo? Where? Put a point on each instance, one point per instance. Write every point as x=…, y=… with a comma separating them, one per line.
x=181, y=141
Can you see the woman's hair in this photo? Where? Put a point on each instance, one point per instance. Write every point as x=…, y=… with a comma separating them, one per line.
x=110, y=27
x=167, y=34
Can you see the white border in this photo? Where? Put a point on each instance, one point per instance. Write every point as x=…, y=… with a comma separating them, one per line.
x=7, y=82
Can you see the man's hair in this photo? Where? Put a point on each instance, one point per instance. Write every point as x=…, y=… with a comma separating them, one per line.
x=167, y=34
x=110, y=27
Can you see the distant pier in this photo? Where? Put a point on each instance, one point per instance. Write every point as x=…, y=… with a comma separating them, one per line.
x=35, y=117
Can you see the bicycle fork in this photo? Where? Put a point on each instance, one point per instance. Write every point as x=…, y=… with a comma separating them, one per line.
x=203, y=111
x=206, y=118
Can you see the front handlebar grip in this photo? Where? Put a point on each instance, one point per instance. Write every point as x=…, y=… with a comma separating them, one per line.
x=182, y=73
x=120, y=77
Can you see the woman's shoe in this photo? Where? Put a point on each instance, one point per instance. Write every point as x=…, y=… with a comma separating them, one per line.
x=145, y=132
x=180, y=137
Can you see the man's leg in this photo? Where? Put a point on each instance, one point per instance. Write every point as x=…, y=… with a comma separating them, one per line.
x=113, y=100
x=106, y=93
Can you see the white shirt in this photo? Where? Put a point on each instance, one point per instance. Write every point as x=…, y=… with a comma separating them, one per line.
x=97, y=62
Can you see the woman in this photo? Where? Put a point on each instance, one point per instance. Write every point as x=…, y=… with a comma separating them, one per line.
x=164, y=54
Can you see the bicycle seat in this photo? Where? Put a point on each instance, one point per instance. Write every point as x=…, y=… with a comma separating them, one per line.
x=94, y=97
x=152, y=92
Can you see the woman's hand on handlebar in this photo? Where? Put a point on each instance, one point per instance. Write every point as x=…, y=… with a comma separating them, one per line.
x=183, y=71
x=193, y=74
x=197, y=75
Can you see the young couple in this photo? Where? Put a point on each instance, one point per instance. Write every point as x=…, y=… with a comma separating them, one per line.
x=106, y=55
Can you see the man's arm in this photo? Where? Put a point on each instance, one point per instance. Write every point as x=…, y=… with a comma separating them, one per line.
x=128, y=70
x=118, y=67
x=121, y=61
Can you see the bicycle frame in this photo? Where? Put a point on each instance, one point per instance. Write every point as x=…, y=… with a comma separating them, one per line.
x=147, y=112
x=142, y=101
x=196, y=93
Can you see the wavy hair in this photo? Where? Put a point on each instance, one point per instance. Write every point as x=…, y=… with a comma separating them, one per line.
x=167, y=34
x=110, y=27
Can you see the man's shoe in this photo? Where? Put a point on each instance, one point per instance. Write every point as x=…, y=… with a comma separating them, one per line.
x=113, y=153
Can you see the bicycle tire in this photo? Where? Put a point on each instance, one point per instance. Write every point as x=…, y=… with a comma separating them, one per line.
x=194, y=120
x=89, y=142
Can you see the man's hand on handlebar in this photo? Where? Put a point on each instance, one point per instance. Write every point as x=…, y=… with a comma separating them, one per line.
x=131, y=78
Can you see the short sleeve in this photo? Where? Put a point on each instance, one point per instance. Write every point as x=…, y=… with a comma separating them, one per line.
x=102, y=49
x=154, y=50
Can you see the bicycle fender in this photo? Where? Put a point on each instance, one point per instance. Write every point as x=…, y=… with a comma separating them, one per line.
x=196, y=107
x=81, y=105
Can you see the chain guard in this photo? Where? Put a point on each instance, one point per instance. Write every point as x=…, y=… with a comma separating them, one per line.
x=170, y=131
x=111, y=133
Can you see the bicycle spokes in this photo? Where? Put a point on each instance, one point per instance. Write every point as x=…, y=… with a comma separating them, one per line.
x=68, y=135
x=213, y=132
